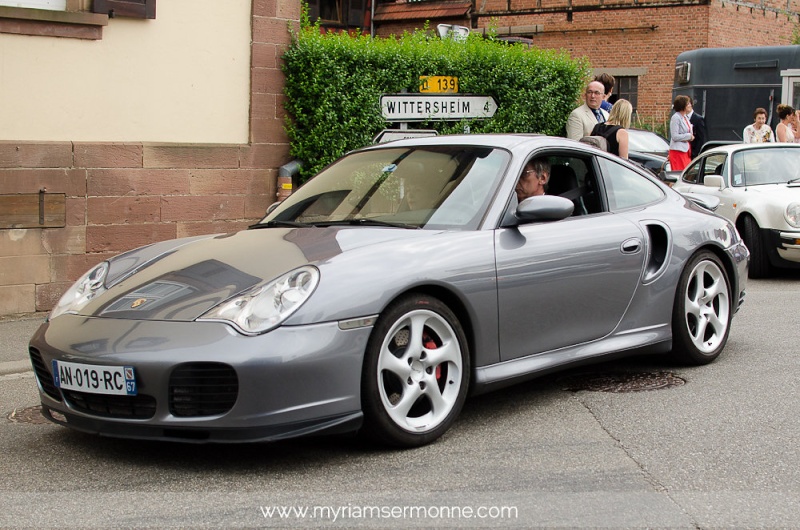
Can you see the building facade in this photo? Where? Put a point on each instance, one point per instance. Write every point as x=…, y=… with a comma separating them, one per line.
x=637, y=41
x=125, y=123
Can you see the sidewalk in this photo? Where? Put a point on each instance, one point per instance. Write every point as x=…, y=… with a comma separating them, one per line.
x=15, y=332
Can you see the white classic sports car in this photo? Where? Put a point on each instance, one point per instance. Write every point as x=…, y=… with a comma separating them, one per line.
x=758, y=186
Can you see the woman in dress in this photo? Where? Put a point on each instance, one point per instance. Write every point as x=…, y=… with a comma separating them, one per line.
x=784, y=130
x=613, y=130
x=758, y=131
x=680, y=134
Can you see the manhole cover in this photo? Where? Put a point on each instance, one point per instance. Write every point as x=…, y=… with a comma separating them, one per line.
x=28, y=415
x=622, y=381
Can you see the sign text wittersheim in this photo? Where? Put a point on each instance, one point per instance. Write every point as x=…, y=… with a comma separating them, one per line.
x=423, y=107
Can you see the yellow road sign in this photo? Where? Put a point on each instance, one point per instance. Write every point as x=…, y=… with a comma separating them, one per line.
x=441, y=84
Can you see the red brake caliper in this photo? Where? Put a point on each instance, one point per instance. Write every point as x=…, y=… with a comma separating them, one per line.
x=430, y=345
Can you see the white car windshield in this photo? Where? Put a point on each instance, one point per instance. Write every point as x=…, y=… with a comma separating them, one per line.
x=415, y=187
x=777, y=165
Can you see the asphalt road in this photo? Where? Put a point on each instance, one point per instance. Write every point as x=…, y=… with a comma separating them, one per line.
x=719, y=451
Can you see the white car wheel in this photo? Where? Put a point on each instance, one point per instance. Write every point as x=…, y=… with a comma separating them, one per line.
x=703, y=310
x=416, y=372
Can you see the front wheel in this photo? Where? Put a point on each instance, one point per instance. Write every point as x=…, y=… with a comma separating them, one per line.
x=760, y=266
x=416, y=372
x=702, y=312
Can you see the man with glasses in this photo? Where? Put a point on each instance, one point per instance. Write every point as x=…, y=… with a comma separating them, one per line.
x=583, y=119
x=533, y=179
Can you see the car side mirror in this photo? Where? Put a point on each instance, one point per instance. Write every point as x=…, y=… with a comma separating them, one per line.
x=670, y=177
x=713, y=181
x=272, y=207
x=544, y=208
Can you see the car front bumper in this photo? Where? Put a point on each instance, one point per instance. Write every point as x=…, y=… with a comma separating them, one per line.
x=289, y=382
x=787, y=245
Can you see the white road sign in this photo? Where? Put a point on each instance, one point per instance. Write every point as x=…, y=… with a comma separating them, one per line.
x=439, y=107
x=389, y=135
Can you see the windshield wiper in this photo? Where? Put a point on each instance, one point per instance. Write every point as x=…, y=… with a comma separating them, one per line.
x=364, y=222
x=284, y=224
x=794, y=180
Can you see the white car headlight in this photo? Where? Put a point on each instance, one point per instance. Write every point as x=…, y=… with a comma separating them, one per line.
x=265, y=306
x=793, y=214
x=87, y=287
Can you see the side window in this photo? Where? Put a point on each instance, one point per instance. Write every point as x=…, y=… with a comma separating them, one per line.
x=348, y=13
x=626, y=188
x=572, y=178
x=626, y=87
x=691, y=173
x=714, y=164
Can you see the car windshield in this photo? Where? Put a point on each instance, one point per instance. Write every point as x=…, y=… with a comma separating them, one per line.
x=412, y=187
x=775, y=165
x=646, y=142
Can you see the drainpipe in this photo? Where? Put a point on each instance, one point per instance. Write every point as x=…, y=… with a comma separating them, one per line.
x=372, y=18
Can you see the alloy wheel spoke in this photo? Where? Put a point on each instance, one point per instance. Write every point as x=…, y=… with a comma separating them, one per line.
x=396, y=365
x=411, y=394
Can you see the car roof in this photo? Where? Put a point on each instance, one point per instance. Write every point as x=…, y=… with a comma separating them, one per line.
x=504, y=141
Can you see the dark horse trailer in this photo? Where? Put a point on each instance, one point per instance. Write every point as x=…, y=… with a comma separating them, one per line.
x=727, y=84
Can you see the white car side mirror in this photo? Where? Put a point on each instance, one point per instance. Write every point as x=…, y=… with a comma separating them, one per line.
x=713, y=181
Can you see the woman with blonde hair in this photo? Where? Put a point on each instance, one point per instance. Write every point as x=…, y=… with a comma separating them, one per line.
x=613, y=130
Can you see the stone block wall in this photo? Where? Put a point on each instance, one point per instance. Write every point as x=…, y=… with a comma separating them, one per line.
x=119, y=197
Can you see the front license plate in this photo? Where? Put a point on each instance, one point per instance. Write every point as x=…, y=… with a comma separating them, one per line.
x=118, y=380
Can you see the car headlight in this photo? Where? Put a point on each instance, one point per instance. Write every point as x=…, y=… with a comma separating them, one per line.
x=793, y=214
x=87, y=287
x=265, y=306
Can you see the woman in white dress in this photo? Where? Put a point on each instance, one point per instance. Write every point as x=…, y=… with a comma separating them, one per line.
x=758, y=131
x=784, y=130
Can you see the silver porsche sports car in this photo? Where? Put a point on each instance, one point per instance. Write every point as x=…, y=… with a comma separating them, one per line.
x=402, y=278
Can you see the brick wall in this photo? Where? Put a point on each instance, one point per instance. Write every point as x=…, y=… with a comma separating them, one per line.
x=124, y=195
x=623, y=38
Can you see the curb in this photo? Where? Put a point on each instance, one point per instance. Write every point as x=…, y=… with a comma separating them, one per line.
x=15, y=367
x=24, y=316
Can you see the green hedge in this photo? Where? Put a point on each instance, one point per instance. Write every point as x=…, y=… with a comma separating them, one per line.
x=334, y=82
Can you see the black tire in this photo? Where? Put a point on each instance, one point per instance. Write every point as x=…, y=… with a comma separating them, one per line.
x=760, y=267
x=416, y=372
x=703, y=310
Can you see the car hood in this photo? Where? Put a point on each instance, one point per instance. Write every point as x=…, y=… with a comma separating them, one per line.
x=181, y=280
x=784, y=191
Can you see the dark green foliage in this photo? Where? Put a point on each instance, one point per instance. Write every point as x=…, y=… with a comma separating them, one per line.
x=334, y=82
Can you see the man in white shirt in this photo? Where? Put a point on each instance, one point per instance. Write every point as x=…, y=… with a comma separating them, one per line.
x=583, y=119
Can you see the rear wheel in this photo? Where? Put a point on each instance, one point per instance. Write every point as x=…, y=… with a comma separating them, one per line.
x=416, y=372
x=702, y=313
x=760, y=266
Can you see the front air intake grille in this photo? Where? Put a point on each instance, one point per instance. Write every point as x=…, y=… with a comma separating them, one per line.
x=138, y=407
x=202, y=389
x=43, y=375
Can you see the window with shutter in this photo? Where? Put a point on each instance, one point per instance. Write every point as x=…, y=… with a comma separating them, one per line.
x=125, y=8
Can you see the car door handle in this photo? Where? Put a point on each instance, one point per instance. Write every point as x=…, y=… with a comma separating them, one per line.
x=631, y=246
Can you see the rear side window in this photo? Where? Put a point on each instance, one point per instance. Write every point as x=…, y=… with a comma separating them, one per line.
x=626, y=188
